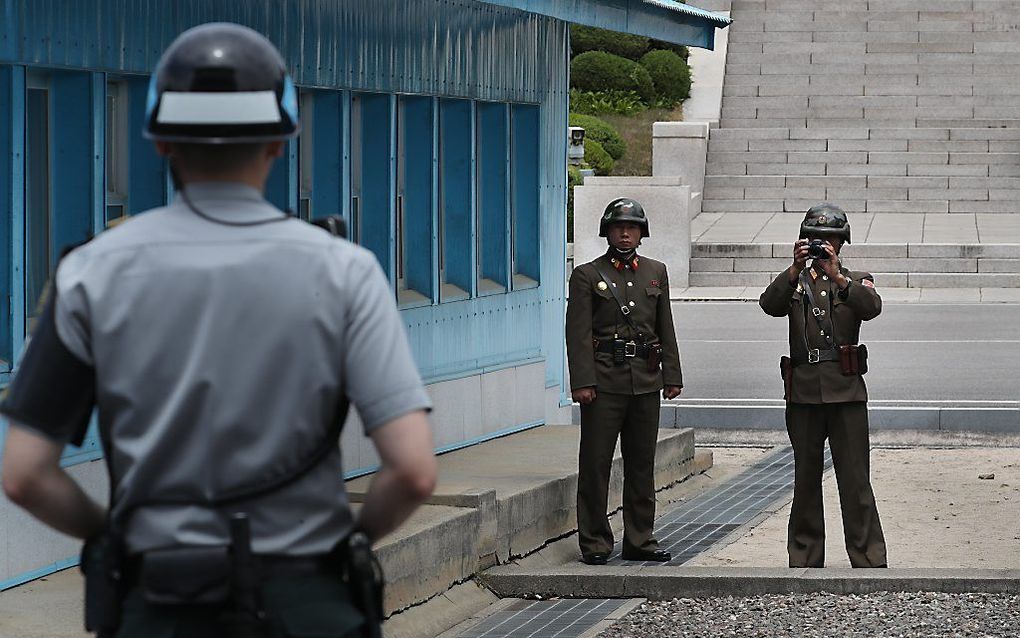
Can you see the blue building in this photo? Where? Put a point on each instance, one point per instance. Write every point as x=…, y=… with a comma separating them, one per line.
x=437, y=128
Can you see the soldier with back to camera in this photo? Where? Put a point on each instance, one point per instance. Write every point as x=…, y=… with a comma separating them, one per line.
x=221, y=342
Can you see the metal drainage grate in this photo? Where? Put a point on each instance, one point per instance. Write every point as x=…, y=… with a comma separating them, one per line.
x=545, y=618
x=705, y=520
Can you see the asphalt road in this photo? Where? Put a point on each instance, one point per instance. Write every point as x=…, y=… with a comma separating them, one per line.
x=936, y=354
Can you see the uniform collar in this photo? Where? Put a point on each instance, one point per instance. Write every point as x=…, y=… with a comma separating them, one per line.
x=231, y=201
x=621, y=264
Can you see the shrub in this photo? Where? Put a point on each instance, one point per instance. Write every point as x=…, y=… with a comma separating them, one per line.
x=583, y=39
x=599, y=131
x=598, y=71
x=597, y=157
x=670, y=75
x=662, y=45
x=599, y=102
x=574, y=178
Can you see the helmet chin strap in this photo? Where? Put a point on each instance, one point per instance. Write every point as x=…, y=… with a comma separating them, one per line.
x=624, y=255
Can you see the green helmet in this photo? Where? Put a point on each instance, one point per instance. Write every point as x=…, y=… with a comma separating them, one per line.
x=623, y=209
x=825, y=220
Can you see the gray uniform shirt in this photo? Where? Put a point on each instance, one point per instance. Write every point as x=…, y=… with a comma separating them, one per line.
x=221, y=353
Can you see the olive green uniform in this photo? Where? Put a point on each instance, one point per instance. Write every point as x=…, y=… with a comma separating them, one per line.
x=627, y=401
x=823, y=403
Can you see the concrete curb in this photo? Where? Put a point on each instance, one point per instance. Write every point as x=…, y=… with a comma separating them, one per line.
x=667, y=582
x=772, y=416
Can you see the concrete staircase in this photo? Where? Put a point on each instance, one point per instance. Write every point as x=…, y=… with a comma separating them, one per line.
x=904, y=112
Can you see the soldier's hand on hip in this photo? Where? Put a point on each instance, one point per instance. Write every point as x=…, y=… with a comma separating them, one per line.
x=584, y=396
x=671, y=392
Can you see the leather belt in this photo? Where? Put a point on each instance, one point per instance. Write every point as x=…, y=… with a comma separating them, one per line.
x=816, y=355
x=630, y=348
x=270, y=566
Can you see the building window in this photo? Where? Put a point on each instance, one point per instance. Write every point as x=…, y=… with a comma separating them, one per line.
x=306, y=145
x=414, y=219
x=117, y=161
x=38, y=209
x=11, y=95
x=524, y=182
x=372, y=184
x=492, y=206
x=456, y=194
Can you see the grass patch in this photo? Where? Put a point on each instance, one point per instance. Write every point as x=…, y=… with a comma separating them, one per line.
x=636, y=131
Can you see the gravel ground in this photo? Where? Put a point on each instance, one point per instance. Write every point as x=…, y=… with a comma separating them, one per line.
x=884, y=614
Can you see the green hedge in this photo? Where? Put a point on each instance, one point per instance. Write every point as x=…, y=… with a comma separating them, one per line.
x=598, y=71
x=600, y=131
x=597, y=157
x=662, y=45
x=574, y=178
x=670, y=75
x=625, y=45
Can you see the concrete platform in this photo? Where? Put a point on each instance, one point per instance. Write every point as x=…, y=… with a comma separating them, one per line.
x=498, y=500
x=664, y=583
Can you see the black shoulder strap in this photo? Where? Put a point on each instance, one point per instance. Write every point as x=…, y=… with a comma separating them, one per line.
x=812, y=308
x=624, y=309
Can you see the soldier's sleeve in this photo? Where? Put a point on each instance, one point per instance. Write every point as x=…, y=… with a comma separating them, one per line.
x=776, y=299
x=580, y=350
x=671, y=372
x=57, y=363
x=862, y=296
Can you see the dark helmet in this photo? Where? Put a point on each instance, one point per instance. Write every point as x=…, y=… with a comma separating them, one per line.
x=825, y=220
x=623, y=209
x=221, y=83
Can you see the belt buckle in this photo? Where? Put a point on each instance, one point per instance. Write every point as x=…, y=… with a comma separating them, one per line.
x=630, y=349
x=814, y=355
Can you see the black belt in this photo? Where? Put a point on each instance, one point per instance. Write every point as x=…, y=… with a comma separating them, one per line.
x=630, y=348
x=270, y=566
x=816, y=356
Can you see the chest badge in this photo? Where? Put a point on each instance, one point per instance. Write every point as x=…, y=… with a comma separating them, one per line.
x=602, y=286
x=800, y=288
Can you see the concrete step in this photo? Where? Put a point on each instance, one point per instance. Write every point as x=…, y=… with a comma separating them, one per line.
x=869, y=264
x=887, y=279
x=670, y=582
x=498, y=500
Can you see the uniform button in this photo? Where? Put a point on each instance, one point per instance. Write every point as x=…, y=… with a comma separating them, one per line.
x=632, y=303
x=823, y=293
x=825, y=278
x=630, y=283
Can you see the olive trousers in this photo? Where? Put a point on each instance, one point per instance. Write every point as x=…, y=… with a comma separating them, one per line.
x=634, y=420
x=846, y=427
x=309, y=607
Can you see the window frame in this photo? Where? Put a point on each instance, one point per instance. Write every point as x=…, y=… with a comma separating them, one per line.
x=525, y=196
x=116, y=149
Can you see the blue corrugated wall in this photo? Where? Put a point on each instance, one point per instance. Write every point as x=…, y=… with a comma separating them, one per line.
x=450, y=48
